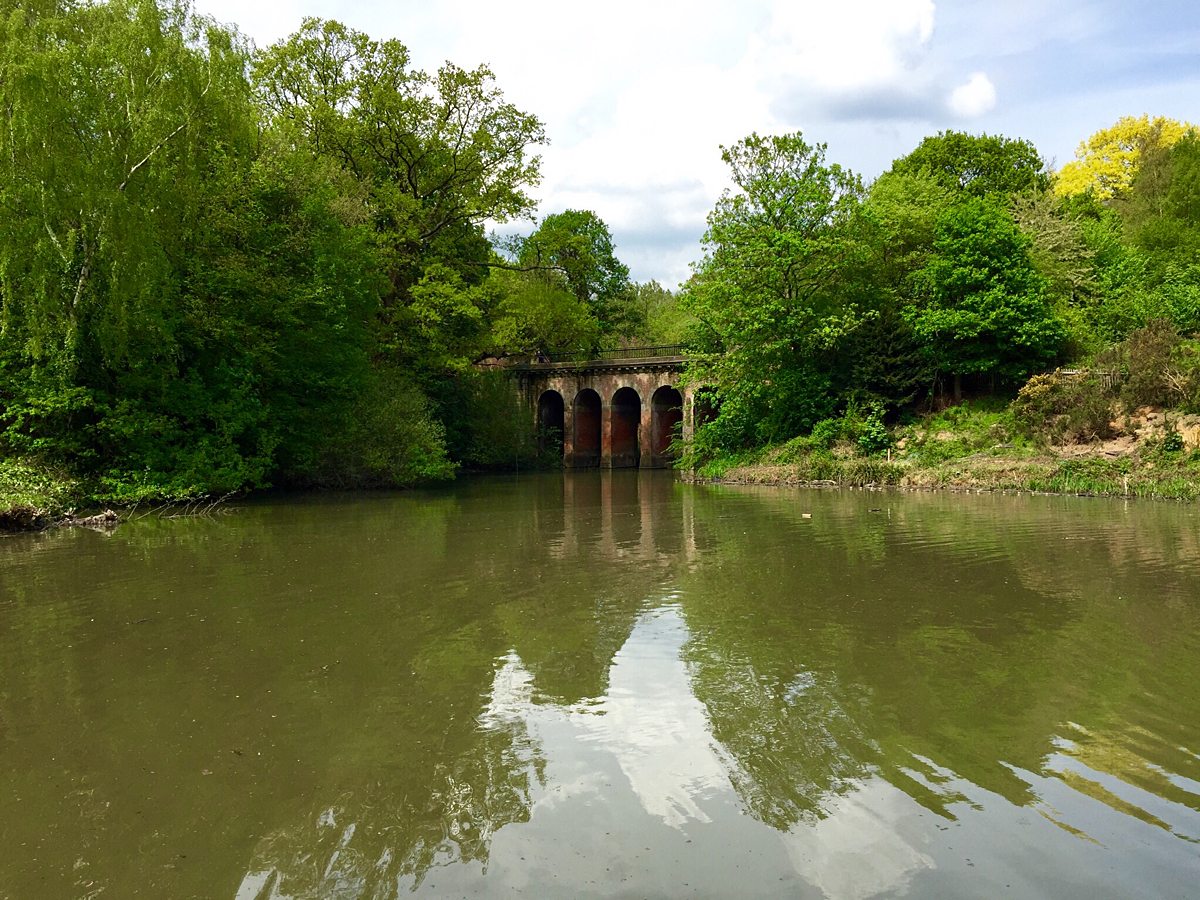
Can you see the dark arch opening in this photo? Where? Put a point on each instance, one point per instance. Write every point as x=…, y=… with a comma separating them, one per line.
x=585, y=444
x=666, y=412
x=626, y=419
x=551, y=420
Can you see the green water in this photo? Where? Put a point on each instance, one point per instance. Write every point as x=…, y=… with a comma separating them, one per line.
x=618, y=686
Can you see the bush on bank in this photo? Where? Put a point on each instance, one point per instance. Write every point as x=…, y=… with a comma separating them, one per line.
x=34, y=494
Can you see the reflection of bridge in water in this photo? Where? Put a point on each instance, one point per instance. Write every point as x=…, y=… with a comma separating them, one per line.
x=623, y=409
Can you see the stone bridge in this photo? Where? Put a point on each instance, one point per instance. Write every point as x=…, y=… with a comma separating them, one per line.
x=621, y=410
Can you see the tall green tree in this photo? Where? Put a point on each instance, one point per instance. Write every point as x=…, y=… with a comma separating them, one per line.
x=113, y=115
x=537, y=315
x=438, y=155
x=984, y=309
x=884, y=361
x=778, y=286
x=665, y=321
x=979, y=164
x=577, y=247
x=121, y=121
x=185, y=293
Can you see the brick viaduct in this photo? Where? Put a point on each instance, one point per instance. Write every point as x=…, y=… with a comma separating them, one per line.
x=618, y=412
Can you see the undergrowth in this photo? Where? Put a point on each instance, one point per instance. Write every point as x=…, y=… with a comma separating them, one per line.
x=32, y=493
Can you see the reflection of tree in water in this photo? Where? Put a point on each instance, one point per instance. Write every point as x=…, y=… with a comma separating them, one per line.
x=384, y=838
x=951, y=658
x=825, y=652
x=792, y=739
x=563, y=615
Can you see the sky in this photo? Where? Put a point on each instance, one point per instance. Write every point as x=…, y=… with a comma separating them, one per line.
x=638, y=96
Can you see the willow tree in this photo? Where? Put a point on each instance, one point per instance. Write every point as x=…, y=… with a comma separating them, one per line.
x=111, y=117
x=183, y=294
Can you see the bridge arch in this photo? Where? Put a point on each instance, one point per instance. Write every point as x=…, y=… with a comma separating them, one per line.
x=585, y=442
x=551, y=422
x=609, y=404
x=624, y=443
x=666, y=412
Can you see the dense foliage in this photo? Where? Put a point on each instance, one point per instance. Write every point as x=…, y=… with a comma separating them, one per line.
x=223, y=268
x=967, y=267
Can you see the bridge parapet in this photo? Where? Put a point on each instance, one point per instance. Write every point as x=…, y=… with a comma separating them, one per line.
x=671, y=355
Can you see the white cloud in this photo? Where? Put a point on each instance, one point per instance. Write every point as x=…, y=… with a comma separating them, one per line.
x=974, y=98
x=637, y=96
x=846, y=48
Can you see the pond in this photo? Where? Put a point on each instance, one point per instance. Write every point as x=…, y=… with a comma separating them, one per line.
x=606, y=685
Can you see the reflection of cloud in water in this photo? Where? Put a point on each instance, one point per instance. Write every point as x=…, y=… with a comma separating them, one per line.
x=650, y=721
x=655, y=726
x=512, y=693
x=856, y=850
x=652, y=730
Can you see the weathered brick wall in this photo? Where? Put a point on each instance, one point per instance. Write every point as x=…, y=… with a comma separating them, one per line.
x=623, y=442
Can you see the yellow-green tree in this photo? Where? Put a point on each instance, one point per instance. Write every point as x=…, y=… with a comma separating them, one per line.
x=1107, y=161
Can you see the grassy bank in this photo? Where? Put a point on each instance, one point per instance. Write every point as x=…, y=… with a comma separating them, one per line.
x=976, y=447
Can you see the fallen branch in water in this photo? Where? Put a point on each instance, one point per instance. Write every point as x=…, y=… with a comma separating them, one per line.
x=202, y=509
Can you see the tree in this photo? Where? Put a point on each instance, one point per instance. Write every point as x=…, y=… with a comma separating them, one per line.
x=777, y=286
x=437, y=156
x=184, y=294
x=977, y=164
x=984, y=309
x=883, y=360
x=123, y=123
x=904, y=209
x=111, y=115
x=1107, y=162
x=537, y=314
x=1183, y=196
x=438, y=152
x=577, y=245
x=1058, y=249
x=665, y=321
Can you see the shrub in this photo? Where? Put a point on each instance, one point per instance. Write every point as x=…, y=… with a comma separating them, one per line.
x=1057, y=408
x=1183, y=377
x=1159, y=368
x=1147, y=357
x=495, y=429
x=390, y=439
x=873, y=436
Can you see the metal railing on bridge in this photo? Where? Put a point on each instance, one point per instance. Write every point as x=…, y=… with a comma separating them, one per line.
x=562, y=356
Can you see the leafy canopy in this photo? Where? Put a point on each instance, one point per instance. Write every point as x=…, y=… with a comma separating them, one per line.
x=979, y=164
x=577, y=248
x=437, y=151
x=776, y=286
x=114, y=114
x=1107, y=162
x=435, y=156
x=984, y=308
